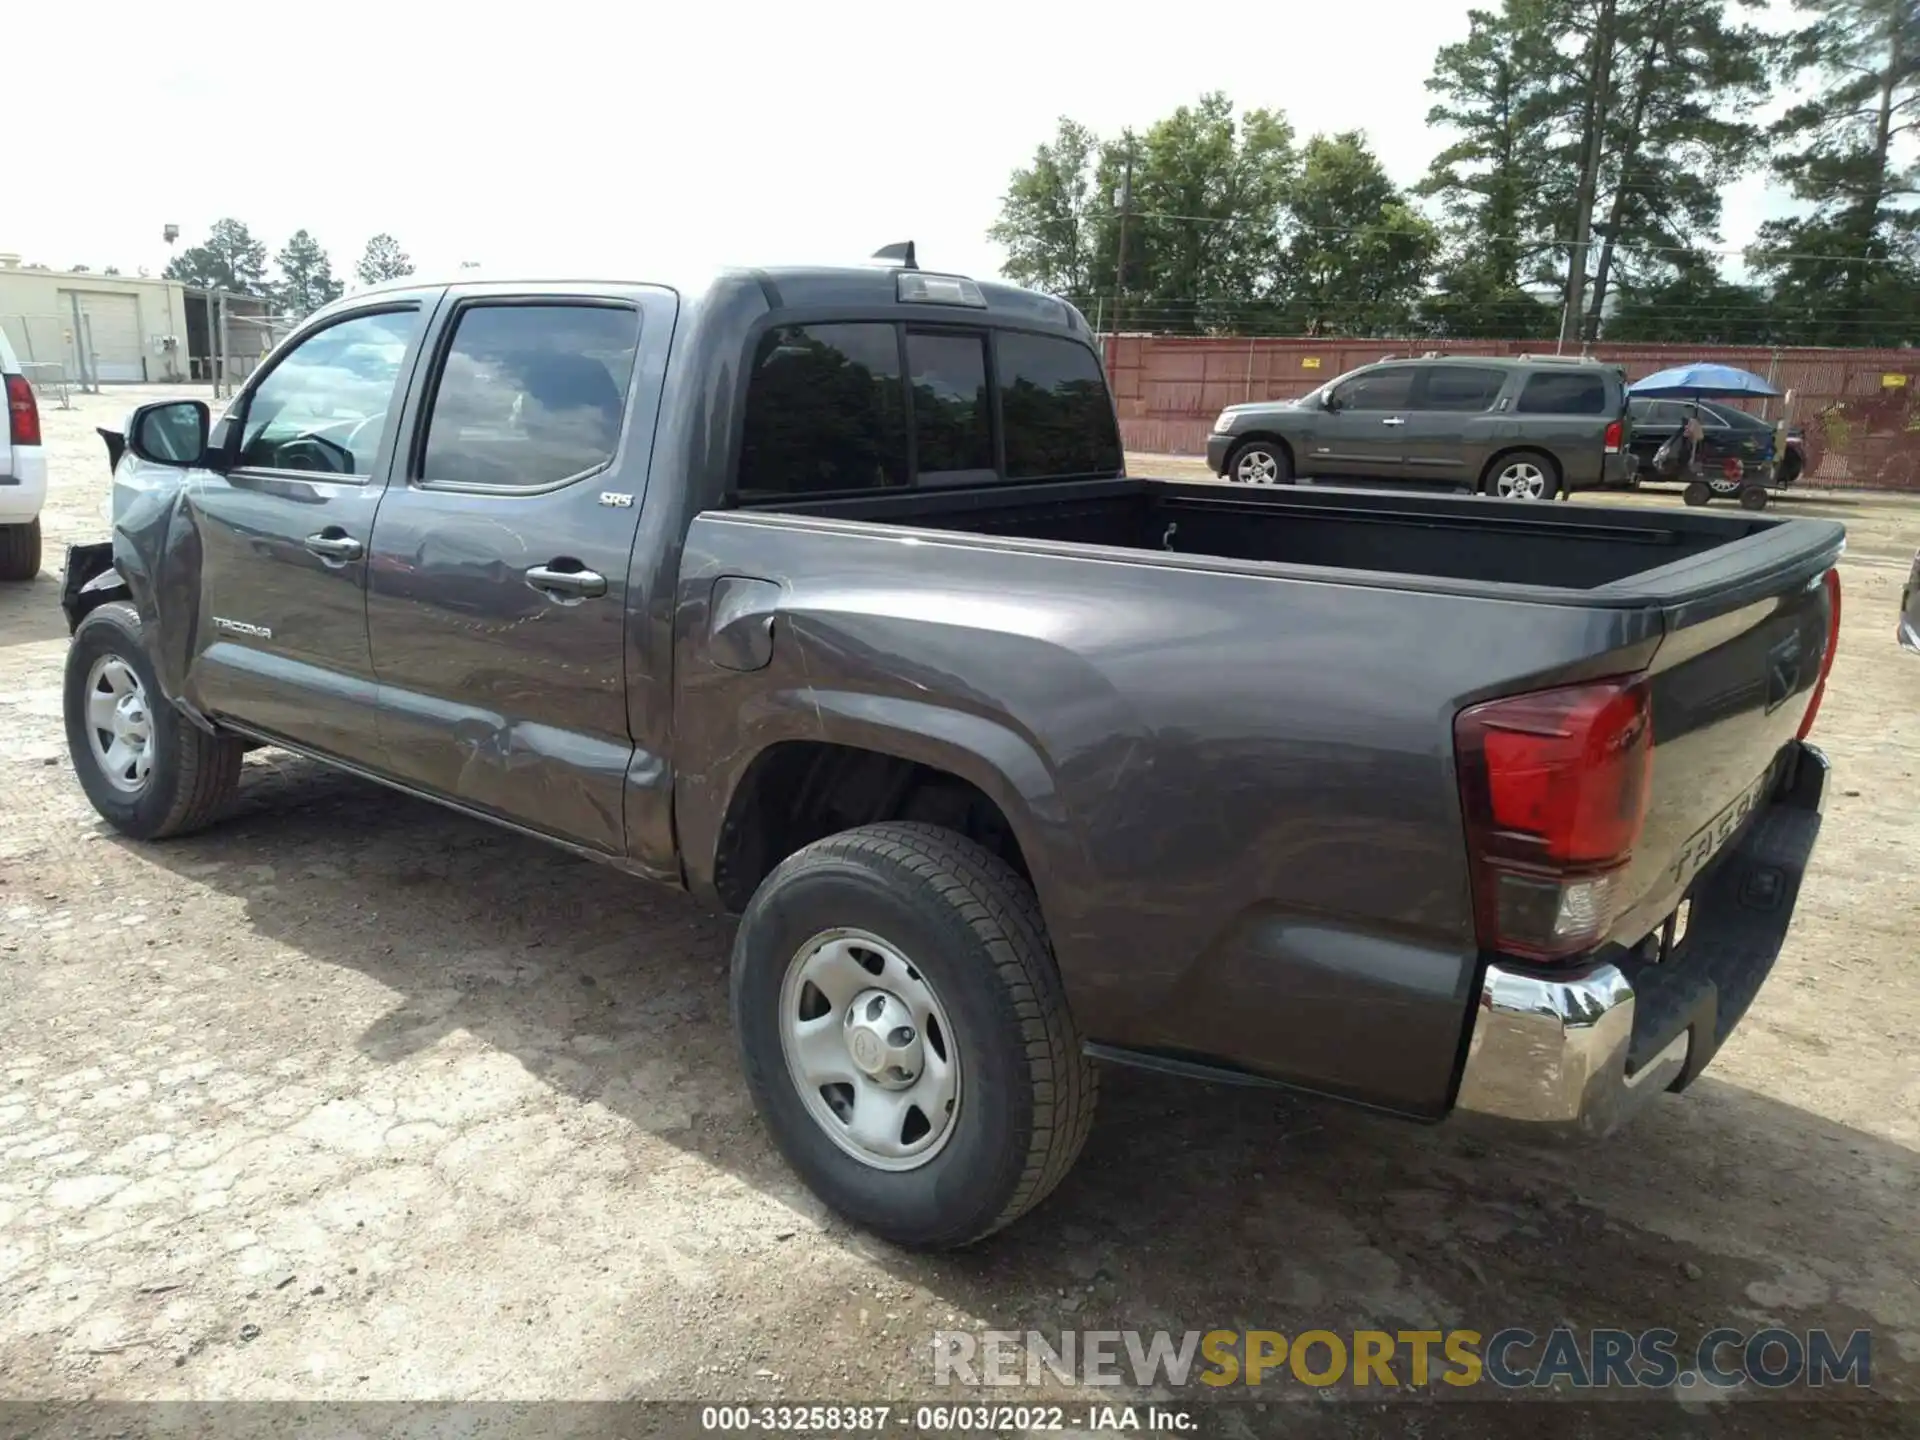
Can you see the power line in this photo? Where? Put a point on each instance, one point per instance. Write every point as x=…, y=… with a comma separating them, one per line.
x=1526, y=241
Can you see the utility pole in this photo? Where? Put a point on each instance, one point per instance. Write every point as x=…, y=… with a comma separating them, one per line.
x=1599, y=83
x=1120, y=261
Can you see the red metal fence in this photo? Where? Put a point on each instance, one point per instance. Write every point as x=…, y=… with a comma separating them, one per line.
x=1860, y=408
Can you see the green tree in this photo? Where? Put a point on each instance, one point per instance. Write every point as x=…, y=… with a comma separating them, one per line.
x=1200, y=194
x=1848, y=270
x=1697, y=305
x=306, y=276
x=1047, y=225
x=1675, y=136
x=1594, y=138
x=1204, y=207
x=1356, y=254
x=383, y=260
x=1492, y=97
x=229, y=259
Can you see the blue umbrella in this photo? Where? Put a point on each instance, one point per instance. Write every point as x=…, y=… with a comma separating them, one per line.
x=1702, y=382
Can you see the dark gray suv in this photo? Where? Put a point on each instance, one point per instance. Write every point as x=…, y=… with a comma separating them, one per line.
x=1530, y=428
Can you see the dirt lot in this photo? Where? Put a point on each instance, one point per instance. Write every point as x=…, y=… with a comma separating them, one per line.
x=351, y=1098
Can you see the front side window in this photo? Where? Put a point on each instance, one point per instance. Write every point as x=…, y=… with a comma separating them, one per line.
x=1054, y=406
x=324, y=406
x=530, y=395
x=952, y=434
x=1466, y=388
x=1388, y=389
x=825, y=412
x=1576, y=393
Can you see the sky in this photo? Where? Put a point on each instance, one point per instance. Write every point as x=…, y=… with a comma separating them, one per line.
x=639, y=141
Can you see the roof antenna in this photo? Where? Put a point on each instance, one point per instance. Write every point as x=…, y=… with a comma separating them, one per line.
x=900, y=255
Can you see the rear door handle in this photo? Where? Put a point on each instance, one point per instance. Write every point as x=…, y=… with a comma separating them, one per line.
x=568, y=584
x=1393, y=420
x=339, y=548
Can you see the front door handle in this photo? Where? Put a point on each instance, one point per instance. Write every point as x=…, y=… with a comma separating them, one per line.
x=1393, y=420
x=570, y=584
x=335, y=546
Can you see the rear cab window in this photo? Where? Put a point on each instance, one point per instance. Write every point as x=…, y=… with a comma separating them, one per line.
x=843, y=408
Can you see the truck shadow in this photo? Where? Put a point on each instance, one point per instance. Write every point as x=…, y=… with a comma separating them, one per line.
x=1193, y=1208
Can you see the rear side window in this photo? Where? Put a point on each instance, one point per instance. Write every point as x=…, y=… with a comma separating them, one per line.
x=952, y=417
x=1462, y=387
x=530, y=395
x=1578, y=392
x=825, y=411
x=1054, y=405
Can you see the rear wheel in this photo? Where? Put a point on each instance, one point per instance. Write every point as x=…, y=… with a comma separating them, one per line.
x=20, y=550
x=1260, y=462
x=1697, y=493
x=1523, y=475
x=145, y=767
x=1753, y=497
x=905, y=1035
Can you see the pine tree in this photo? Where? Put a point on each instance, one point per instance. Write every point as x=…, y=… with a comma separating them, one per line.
x=1848, y=271
x=306, y=276
x=230, y=259
x=383, y=260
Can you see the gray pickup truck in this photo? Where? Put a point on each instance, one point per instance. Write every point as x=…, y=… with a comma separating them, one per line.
x=825, y=594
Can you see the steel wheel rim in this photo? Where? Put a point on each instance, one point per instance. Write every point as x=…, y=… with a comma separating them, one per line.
x=1724, y=486
x=119, y=725
x=846, y=998
x=1521, y=482
x=1257, y=467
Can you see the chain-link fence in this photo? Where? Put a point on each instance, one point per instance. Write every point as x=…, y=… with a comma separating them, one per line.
x=1860, y=409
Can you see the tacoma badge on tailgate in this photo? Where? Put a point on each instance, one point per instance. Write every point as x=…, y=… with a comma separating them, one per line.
x=1707, y=841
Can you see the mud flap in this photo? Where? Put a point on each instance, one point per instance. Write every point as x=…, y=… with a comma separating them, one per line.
x=89, y=580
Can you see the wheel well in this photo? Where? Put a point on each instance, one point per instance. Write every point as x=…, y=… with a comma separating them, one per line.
x=800, y=791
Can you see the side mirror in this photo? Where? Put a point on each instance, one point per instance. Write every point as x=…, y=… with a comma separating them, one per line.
x=171, y=432
x=1330, y=402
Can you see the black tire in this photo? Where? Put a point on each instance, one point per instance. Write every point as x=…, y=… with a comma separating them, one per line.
x=193, y=776
x=973, y=927
x=1552, y=484
x=1258, y=453
x=1753, y=497
x=1697, y=493
x=20, y=550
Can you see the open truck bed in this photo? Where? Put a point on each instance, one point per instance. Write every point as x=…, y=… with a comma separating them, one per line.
x=1612, y=556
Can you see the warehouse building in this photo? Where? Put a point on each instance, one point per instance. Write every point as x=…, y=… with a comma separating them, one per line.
x=116, y=329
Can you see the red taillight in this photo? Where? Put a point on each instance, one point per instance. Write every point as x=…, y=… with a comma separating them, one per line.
x=23, y=415
x=1616, y=433
x=1555, y=786
x=1832, y=579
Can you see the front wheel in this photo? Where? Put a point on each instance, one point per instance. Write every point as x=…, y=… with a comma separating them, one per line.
x=905, y=1034
x=145, y=767
x=1524, y=475
x=1260, y=462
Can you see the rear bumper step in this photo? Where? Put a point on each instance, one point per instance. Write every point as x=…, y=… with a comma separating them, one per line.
x=1571, y=1054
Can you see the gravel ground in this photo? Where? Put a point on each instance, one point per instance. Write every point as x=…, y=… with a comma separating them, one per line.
x=350, y=1098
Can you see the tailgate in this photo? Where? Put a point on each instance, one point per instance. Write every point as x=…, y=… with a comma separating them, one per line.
x=1732, y=685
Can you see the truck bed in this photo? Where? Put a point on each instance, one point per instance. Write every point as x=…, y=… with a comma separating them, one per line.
x=1472, y=542
x=1232, y=715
